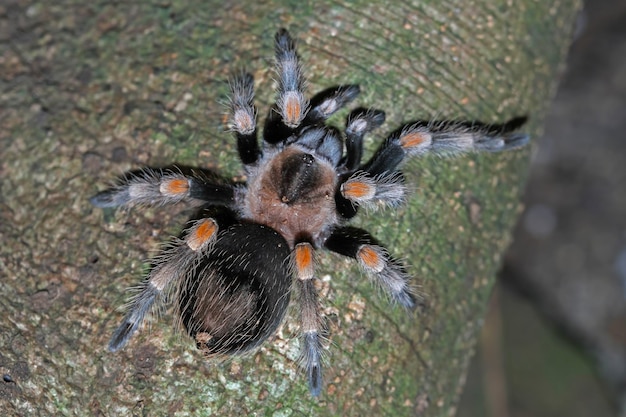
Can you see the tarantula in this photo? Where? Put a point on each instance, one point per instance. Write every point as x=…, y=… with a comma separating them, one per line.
x=232, y=267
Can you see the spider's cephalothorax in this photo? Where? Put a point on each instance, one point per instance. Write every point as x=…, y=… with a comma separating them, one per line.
x=232, y=268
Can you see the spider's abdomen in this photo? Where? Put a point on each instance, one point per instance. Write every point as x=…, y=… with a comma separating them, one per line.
x=236, y=298
x=294, y=194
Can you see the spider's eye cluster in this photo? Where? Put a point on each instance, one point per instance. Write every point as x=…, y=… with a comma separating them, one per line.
x=234, y=266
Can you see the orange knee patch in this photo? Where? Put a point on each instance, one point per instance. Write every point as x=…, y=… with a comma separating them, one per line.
x=292, y=110
x=357, y=190
x=174, y=186
x=201, y=233
x=412, y=140
x=304, y=260
x=371, y=258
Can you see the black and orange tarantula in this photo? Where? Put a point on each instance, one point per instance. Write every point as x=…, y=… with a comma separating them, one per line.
x=232, y=268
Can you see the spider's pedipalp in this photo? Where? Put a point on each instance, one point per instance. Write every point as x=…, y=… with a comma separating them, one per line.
x=384, y=190
x=159, y=187
x=310, y=316
x=363, y=120
x=291, y=101
x=243, y=118
x=171, y=265
x=387, y=272
x=326, y=103
x=359, y=122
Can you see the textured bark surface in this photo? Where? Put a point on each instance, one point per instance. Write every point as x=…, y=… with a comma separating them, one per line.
x=90, y=91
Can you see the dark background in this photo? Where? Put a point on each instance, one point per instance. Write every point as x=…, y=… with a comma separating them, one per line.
x=554, y=341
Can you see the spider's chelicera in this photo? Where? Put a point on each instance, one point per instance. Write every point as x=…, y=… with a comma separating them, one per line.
x=232, y=267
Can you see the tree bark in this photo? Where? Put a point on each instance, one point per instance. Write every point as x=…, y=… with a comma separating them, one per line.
x=91, y=91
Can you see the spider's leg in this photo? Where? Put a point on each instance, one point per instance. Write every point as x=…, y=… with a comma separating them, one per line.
x=291, y=103
x=362, y=189
x=243, y=118
x=360, y=121
x=374, y=259
x=444, y=138
x=170, y=266
x=159, y=187
x=310, y=316
x=327, y=102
